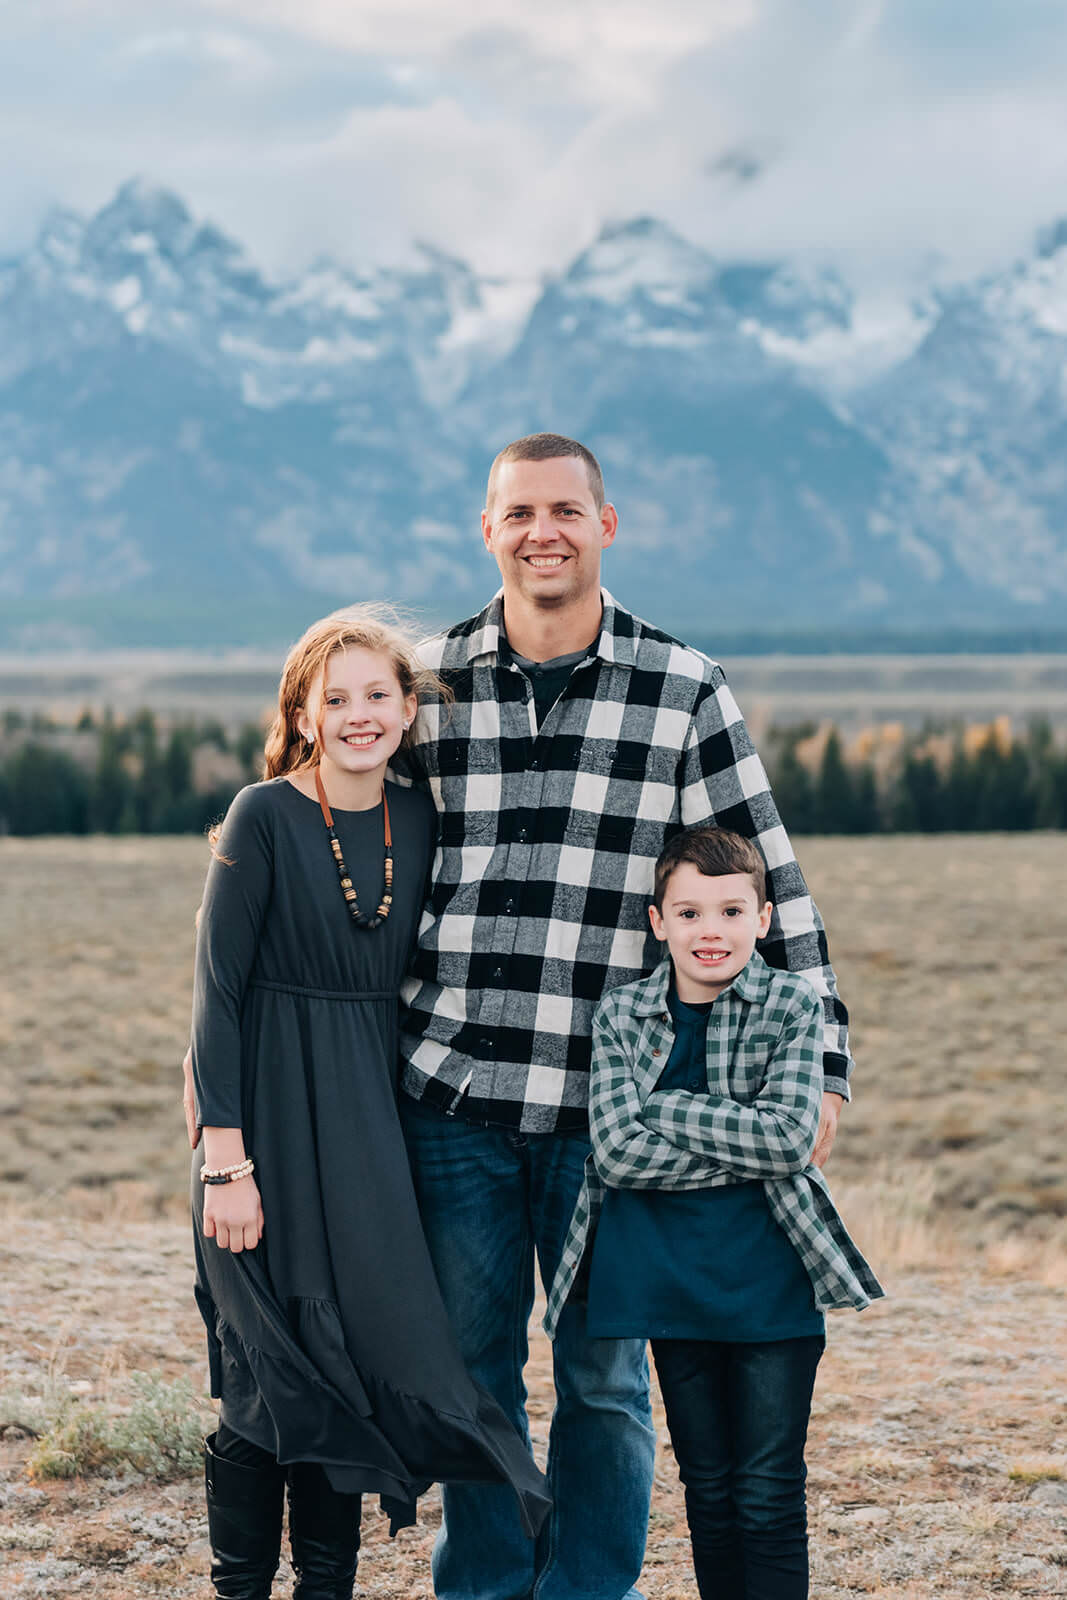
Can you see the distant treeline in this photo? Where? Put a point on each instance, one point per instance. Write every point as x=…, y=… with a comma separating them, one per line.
x=967, y=779
x=150, y=775
x=103, y=775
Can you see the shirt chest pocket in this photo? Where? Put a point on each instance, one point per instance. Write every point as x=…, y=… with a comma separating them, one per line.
x=605, y=793
x=744, y=1073
x=468, y=785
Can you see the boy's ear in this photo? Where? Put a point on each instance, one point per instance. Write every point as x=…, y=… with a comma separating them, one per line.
x=763, y=925
x=657, y=924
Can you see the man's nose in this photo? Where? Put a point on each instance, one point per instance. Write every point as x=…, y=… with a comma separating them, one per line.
x=544, y=527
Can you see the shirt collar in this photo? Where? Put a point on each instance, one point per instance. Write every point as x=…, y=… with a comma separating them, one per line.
x=751, y=984
x=615, y=642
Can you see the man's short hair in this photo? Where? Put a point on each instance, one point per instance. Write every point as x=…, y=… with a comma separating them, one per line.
x=547, y=447
x=716, y=852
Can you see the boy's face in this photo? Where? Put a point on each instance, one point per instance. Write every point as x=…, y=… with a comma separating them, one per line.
x=710, y=926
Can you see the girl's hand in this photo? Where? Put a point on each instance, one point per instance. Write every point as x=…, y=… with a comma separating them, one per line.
x=189, y=1101
x=233, y=1214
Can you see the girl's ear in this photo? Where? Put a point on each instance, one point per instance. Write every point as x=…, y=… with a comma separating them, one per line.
x=657, y=924
x=411, y=709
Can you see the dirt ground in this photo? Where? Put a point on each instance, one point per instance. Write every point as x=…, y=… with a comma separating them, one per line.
x=937, y=1458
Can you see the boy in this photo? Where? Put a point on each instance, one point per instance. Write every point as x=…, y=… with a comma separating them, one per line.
x=715, y=1237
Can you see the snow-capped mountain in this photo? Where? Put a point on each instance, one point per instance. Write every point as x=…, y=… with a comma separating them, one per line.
x=191, y=451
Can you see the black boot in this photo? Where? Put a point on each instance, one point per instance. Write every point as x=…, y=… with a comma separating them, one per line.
x=244, y=1519
x=323, y=1533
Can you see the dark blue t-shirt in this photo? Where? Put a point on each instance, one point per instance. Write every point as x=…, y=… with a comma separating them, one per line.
x=696, y=1263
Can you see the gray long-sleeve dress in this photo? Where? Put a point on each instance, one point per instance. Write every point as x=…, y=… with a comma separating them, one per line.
x=329, y=1342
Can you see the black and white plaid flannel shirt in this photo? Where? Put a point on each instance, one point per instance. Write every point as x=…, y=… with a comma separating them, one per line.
x=543, y=874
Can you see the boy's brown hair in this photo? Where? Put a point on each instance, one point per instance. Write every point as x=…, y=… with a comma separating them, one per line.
x=716, y=852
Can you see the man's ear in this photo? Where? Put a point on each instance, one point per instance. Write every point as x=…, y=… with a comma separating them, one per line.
x=657, y=924
x=487, y=530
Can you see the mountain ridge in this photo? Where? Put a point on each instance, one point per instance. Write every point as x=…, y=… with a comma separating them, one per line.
x=172, y=419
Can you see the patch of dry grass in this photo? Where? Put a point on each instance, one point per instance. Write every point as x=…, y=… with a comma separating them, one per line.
x=936, y=1448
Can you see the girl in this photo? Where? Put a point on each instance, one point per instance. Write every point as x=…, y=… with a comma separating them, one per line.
x=328, y=1342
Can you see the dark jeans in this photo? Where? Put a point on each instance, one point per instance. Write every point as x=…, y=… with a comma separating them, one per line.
x=738, y=1419
x=491, y=1200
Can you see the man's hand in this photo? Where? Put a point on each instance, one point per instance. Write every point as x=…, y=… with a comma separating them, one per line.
x=189, y=1104
x=831, y=1110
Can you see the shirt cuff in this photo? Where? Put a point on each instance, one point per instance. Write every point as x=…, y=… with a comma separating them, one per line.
x=835, y=1069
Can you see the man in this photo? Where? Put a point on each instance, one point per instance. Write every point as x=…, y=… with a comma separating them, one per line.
x=578, y=741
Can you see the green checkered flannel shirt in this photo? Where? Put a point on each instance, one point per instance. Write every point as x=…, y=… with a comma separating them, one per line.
x=759, y=1119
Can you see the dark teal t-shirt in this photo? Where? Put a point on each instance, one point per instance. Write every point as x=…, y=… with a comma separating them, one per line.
x=697, y=1263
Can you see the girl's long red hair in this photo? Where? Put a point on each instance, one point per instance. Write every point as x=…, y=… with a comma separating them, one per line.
x=364, y=627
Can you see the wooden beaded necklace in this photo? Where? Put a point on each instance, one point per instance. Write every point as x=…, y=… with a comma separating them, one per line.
x=360, y=918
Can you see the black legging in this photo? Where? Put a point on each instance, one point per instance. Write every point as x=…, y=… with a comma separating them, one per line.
x=233, y=1447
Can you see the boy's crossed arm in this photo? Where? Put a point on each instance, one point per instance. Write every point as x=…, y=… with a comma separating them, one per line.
x=627, y=1154
x=773, y=1136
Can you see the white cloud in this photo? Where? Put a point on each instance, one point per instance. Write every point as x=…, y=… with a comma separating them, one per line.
x=877, y=130
x=245, y=57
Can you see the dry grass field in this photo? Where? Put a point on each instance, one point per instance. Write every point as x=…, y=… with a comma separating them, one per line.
x=937, y=1454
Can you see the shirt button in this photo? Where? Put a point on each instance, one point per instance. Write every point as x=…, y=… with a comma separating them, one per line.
x=534, y=766
x=522, y=836
x=657, y=1052
x=509, y=906
x=498, y=972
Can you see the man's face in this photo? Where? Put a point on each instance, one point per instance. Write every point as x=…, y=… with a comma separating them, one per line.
x=545, y=531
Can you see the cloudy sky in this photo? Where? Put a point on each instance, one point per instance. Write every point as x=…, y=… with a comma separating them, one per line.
x=880, y=133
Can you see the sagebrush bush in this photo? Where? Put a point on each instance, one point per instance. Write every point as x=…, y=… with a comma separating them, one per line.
x=158, y=1433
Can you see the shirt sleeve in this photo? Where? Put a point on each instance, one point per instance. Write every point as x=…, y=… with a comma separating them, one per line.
x=626, y=1154
x=724, y=782
x=775, y=1134
x=236, y=896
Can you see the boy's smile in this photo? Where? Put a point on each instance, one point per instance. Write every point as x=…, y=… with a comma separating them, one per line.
x=710, y=926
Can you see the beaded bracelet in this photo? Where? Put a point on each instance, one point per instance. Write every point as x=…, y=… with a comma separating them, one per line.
x=240, y=1169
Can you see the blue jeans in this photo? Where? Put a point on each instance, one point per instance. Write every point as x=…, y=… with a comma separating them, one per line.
x=490, y=1198
x=738, y=1419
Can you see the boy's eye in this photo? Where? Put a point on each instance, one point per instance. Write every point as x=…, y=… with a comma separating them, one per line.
x=687, y=913
x=733, y=911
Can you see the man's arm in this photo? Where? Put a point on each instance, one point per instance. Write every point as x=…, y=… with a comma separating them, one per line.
x=723, y=781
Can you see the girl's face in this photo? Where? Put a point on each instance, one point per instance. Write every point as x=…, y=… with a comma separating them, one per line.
x=356, y=711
